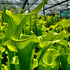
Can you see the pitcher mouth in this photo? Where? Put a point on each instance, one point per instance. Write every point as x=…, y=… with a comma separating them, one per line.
x=25, y=38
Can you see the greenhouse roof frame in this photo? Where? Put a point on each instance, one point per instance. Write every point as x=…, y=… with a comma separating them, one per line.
x=30, y=5
x=56, y=5
x=11, y=3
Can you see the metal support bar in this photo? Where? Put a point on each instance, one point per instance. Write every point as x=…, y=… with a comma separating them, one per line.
x=60, y=13
x=28, y=7
x=67, y=8
x=43, y=10
x=24, y=4
x=56, y=5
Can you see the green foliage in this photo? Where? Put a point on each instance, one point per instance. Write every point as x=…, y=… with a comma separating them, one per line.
x=34, y=42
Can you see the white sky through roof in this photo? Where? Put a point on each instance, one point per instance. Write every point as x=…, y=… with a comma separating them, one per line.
x=17, y=0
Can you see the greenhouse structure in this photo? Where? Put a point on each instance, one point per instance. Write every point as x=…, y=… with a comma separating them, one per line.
x=34, y=34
